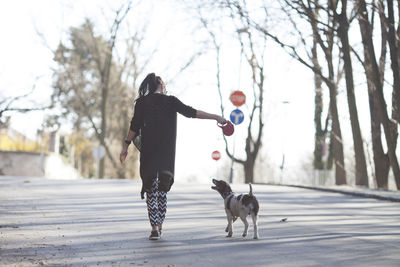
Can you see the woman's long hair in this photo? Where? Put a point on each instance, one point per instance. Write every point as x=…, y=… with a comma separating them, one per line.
x=149, y=85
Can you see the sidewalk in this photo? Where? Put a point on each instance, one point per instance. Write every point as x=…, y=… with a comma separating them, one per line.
x=393, y=196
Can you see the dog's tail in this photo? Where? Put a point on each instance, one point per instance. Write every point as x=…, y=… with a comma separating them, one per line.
x=253, y=201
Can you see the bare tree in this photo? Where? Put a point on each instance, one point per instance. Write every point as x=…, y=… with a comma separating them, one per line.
x=104, y=69
x=343, y=32
x=320, y=133
x=381, y=159
x=11, y=104
x=394, y=45
x=324, y=34
x=326, y=49
x=238, y=10
x=327, y=46
x=86, y=78
x=254, y=56
x=374, y=76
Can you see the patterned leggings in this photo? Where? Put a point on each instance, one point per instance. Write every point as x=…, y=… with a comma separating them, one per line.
x=156, y=205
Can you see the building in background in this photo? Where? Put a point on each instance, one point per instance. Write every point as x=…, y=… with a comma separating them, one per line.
x=21, y=156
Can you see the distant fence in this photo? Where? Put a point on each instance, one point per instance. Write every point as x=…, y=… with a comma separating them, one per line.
x=35, y=164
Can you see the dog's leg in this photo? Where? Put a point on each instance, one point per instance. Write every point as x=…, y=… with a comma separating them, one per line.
x=254, y=218
x=246, y=224
x=229, y=227
x=234, y=219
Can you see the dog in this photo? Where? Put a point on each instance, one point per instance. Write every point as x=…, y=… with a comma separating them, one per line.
x=238, y=206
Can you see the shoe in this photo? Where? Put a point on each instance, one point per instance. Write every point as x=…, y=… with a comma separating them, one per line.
x=154, y=235
x=159, y=229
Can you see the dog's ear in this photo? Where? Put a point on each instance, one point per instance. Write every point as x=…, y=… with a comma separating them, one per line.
x=226, y=187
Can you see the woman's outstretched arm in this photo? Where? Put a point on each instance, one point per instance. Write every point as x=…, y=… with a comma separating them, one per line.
x=208, y=116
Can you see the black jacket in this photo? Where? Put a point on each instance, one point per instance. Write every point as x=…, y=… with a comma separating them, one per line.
x=155, y=115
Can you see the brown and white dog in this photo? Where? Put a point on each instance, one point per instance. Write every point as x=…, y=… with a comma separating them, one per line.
x=238, y=206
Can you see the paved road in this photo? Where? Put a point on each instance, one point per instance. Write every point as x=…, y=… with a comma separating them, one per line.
x=103, y=222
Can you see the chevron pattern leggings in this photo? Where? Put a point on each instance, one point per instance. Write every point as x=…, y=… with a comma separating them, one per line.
x=156, y=205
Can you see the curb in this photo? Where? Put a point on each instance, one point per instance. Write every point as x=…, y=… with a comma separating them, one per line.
x=345, y=192
x=351, y=193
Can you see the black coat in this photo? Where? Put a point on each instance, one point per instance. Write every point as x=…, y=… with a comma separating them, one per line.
x=155, y=115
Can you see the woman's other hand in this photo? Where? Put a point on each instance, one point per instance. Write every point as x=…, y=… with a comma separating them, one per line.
x=122, y=156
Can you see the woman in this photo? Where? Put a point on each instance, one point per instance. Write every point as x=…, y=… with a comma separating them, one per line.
x=155, y=116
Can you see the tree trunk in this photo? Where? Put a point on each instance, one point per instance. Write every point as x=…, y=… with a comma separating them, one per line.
x=103, y=127
x=394, y=46
x=373, y=69
x=249, y=170
x=327, y=47
x=381, y=160
x=336, y=137
x=103, y=110
x=329, y=161
x=394, y=58
x=105, y=78
x=337, y=144
x=318, y=100
x=361, y=165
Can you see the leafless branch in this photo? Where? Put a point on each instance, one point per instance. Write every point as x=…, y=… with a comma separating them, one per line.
x=186, y=65
x=43, y=39
x=357, y=55
x=9, y=101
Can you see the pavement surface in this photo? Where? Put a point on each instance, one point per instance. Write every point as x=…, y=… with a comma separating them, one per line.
x=104, y=223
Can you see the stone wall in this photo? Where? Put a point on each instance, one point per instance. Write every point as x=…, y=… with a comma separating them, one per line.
x=34, y=164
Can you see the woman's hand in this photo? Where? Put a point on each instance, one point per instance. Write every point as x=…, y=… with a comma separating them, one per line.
x=122, y=156
x=221, y=120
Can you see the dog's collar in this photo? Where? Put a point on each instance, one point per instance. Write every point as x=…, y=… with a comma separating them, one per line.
x=227, y=194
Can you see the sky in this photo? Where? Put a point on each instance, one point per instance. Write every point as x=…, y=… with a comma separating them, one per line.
x=289, y=94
